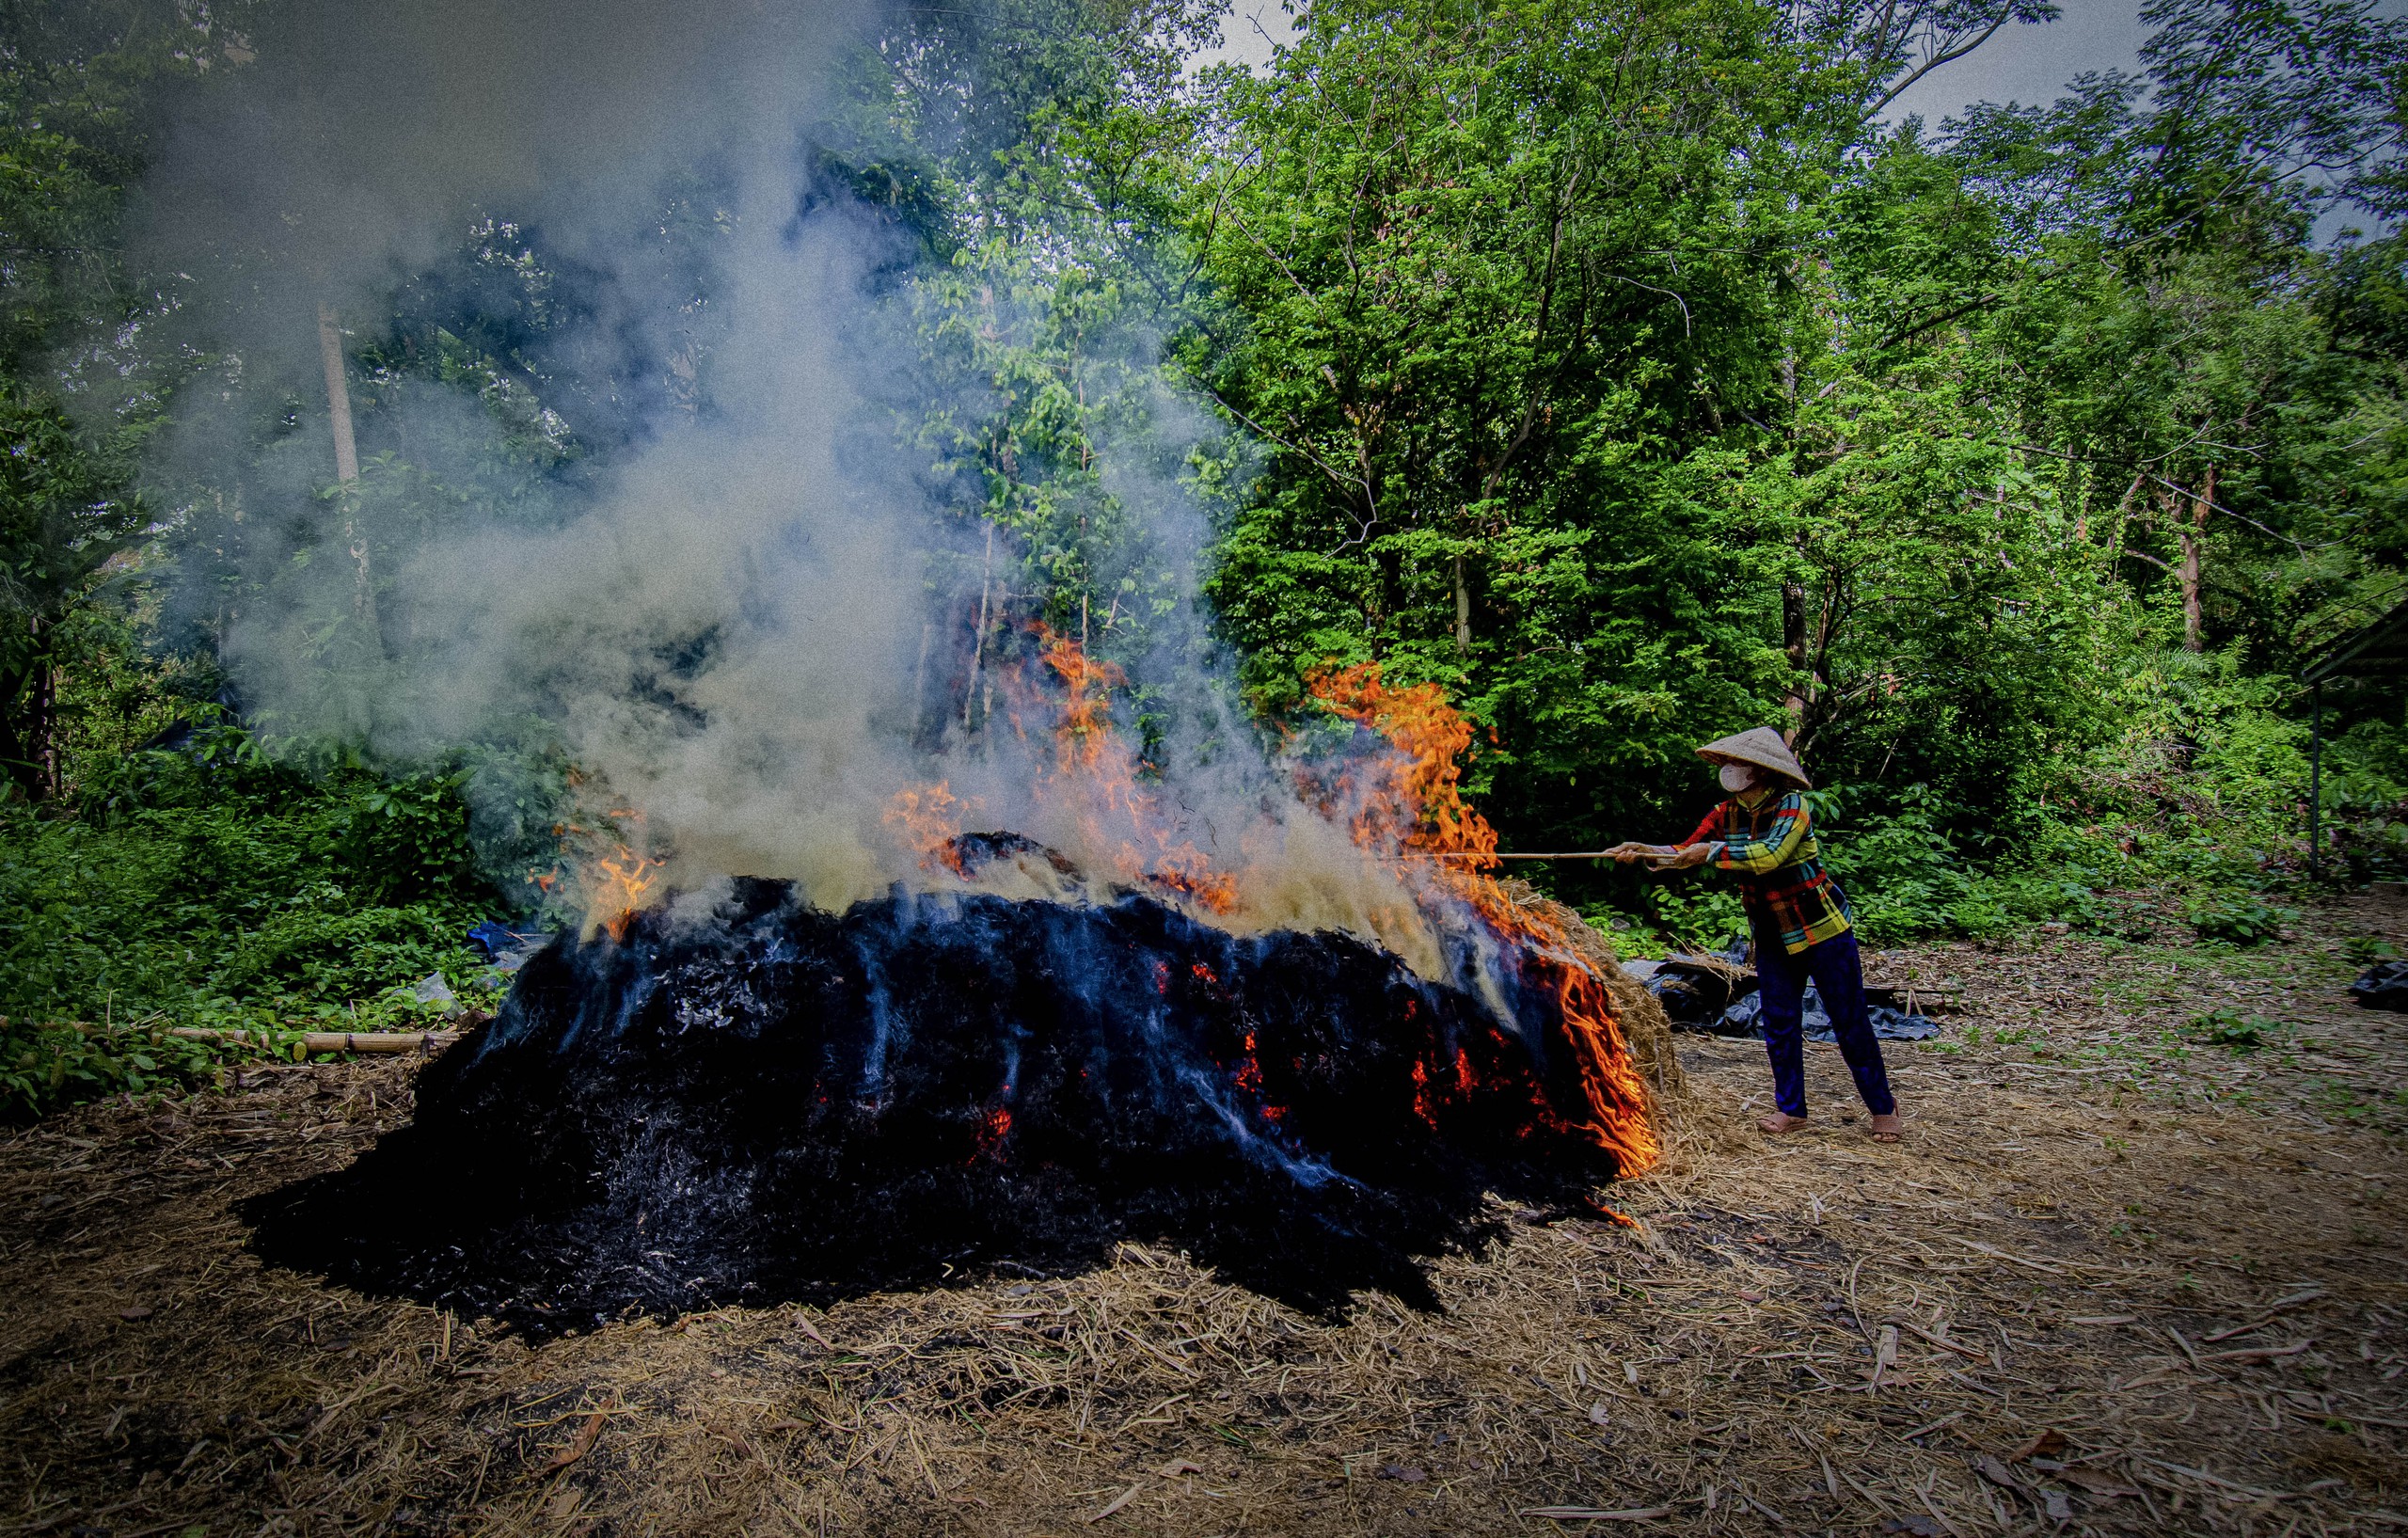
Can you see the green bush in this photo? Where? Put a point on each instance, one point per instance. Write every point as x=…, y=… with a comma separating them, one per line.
x=2237, y=919
x=2233, y=1031
x=319, y=951
x=1698, y=916
x=44, y=1066
x=214, y=886
x=1904, y=875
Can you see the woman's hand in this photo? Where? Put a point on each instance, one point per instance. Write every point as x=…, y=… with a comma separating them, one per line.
x=1623, y=855
x=1689, y=856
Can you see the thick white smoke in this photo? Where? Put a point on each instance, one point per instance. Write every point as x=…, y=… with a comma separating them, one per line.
x=726, y=627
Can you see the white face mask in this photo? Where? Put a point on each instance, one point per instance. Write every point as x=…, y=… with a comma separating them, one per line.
x=1737, y=777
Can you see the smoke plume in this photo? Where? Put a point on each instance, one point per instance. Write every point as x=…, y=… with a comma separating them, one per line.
x=742, y=605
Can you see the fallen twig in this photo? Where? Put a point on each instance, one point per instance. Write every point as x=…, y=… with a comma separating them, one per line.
x=1123, y=1498
x=582, y=1443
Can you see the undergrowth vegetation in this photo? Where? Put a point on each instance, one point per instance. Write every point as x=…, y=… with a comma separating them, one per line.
x=206, y=885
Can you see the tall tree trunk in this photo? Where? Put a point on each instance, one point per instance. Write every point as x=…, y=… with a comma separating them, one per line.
x=347, y=463
x=978, y=647
x=338, y=396
x=1462, y=609
x=920, y=682
x=26, y=739
x=15, y=762
x=42, y=719
x=1793, y=642
x=2192, y=536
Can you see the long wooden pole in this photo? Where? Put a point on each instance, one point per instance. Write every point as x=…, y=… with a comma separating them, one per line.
x=978, y=651
x=1575, y=854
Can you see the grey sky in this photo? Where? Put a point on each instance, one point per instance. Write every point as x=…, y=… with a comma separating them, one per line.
x=2030, y=64
x=2022, y=64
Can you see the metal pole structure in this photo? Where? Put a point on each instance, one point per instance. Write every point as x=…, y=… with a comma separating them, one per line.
x=2316, y=783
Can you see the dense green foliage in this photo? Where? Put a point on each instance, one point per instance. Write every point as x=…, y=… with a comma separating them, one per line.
x=209, y=873
x=1614, y=364
x=208, y=886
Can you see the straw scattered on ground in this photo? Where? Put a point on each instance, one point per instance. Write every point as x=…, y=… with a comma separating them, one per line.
x=2119, y=1279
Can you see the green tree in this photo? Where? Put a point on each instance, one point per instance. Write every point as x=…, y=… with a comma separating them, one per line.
x=64, y=516
x=77, y=83
x=1501, y=287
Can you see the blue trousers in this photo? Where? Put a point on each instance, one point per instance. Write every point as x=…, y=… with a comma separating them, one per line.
x=1837, y=975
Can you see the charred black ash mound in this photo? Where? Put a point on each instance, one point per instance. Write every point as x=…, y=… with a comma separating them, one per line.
x=785, y=1104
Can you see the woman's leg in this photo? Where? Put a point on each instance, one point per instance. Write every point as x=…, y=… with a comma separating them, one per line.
x=1781, y=979
x=1839, y=977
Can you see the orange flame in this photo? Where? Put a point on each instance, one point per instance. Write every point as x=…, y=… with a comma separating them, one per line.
x=1084, y=737
x=624, y=877
x=612, y=870
x=1094, y=775
x=1412, y=800
x=1410, y=803
x=1094, y=767
x=930, y=818
x=1404, y=807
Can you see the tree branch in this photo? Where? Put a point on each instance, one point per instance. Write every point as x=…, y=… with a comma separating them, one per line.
x=1946, y=56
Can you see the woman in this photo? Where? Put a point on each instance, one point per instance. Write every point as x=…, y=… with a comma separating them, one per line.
x=1796, y=913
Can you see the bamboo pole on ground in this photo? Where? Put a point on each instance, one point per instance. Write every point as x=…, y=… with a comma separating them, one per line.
x=356, y=1042
x=353, y=1041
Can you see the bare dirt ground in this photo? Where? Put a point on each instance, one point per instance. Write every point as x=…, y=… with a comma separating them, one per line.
x=2119, y=1279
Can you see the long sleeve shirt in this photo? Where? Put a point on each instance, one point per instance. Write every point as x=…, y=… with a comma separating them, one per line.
x=1770, y=846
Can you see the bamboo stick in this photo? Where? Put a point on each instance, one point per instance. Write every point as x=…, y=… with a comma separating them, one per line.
x=357, y=1041
x=1577, y=854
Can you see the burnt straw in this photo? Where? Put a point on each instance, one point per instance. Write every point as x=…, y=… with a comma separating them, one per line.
x=777, y=1103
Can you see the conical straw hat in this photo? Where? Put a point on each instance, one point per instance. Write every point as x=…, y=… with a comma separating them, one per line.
x=1760, y=746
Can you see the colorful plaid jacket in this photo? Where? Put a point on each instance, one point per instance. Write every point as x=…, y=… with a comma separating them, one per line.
x=1782, y=880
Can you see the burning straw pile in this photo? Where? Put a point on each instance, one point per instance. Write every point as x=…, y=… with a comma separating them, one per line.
x=755, y=1100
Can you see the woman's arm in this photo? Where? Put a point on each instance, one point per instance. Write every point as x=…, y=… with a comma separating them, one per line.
x=1675, y=856
x=1761, y=856
x=1711, y=829
x=1700, y=845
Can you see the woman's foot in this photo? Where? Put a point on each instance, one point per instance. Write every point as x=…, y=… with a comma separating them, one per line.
x=1780, y=1122
x=1888, y=1129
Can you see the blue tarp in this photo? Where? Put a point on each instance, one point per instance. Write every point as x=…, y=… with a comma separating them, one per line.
x=2384, y=986
x=1888, y=1023
x=497, y=940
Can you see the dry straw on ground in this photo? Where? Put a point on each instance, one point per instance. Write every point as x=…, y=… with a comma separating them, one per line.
x=2110, y=1284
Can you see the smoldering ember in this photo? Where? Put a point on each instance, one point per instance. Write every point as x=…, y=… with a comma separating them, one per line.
x=792, y=1105
x=1017, y=767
